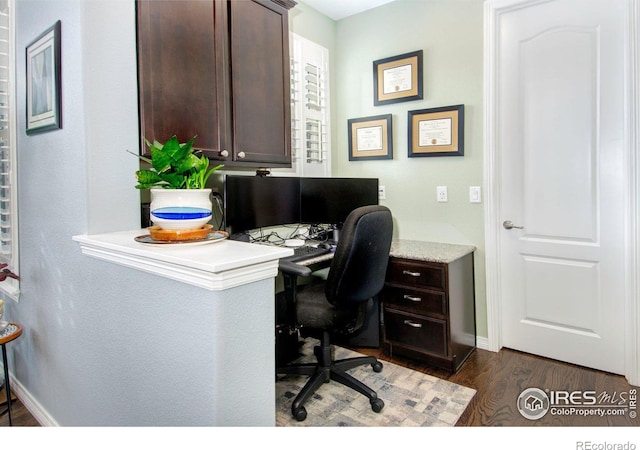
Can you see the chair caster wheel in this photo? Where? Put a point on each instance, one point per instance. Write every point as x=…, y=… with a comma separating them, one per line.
x=300, y=414
x=377, y=366
x=377, y=404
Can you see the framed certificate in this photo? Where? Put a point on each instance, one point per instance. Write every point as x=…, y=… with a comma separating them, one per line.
x=370, y=138
x=437, y=131
x=397, y=79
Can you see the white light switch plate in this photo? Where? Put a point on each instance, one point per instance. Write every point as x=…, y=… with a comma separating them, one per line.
x=474, y=194
x=441, y=193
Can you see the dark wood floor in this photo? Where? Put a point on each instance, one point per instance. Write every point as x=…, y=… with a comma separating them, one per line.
x=19, y=414
x=498, y=378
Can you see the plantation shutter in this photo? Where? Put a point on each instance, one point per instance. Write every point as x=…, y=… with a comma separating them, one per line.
x=8, y=195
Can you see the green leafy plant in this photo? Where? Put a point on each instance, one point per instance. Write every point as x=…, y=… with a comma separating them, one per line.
x=174, y=165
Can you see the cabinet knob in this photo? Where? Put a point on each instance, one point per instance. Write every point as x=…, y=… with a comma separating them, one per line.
x=413, y=324
x=224, y=153
x=241, y=155
x=412, y=298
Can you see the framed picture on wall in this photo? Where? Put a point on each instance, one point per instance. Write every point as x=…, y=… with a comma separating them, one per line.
x=44, y=112
x=437, y=131
x=397, y=79
x=370, y=138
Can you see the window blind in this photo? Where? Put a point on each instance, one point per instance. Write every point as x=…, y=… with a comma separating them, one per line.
x=310, y=107
x=8, y=194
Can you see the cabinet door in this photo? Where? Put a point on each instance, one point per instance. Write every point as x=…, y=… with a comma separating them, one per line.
x=179, y=72
x=260, y=83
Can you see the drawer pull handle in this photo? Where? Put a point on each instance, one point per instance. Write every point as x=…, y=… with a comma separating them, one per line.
x=413, y=324
x=410, y=273
x=412, y=298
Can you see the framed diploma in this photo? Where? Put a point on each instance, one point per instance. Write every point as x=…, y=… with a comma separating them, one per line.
x=370, y=138
x=44, y=112
x=397, y=79
x=437, y=131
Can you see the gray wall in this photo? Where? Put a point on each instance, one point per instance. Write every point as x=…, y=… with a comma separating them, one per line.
x=103, y=344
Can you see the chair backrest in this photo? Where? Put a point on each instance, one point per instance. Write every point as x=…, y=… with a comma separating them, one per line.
x=359, y=264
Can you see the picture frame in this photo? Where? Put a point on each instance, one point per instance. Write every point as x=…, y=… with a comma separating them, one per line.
x=371, y=138
x=436, y=131
x=397, y=79
x=44, y=109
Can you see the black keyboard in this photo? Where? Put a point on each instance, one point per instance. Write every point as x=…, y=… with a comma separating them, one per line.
x=307, y=252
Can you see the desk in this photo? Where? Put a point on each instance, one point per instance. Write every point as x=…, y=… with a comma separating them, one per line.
x=428, y=303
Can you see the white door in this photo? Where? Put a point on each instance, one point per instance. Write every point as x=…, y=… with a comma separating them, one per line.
x=561, y=148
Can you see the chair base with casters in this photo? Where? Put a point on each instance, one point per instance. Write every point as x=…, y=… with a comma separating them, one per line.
x=329, y=369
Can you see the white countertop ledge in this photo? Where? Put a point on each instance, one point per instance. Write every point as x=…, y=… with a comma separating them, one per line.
x=214, y=266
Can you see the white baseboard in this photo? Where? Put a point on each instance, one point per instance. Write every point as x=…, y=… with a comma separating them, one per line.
x=34, y=407
x=482, y=343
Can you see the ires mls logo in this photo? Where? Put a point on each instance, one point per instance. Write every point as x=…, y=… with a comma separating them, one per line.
x=534, y=403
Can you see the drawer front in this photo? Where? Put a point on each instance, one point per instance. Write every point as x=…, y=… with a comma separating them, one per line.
x=422, y=334
x=414, y=273
x=415, y=301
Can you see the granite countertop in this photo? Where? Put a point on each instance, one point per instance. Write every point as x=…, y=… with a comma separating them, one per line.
x=429, y=251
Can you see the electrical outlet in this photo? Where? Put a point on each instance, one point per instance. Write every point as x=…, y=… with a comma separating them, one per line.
x=441, y=192
x=474, y=194
x=382, y=193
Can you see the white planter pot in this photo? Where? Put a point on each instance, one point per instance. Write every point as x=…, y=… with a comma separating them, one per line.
x=179, y=209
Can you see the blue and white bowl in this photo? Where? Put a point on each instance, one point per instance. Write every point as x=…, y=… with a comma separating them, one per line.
x=179, y=209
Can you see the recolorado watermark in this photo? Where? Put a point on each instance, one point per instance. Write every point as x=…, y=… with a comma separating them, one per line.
x=534, y=403
x=588, y=445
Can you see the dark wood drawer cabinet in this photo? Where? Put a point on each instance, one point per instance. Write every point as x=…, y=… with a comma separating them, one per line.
x=218, y=69
x=429, y=310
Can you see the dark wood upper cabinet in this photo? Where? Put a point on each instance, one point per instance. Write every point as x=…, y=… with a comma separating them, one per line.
x=217, y=69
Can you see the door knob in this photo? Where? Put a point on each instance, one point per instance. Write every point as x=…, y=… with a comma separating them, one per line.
x=507, y=224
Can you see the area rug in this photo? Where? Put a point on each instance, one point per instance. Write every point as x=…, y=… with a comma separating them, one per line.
x=412, y=399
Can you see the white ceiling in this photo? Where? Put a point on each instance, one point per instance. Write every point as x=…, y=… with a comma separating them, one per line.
x=339, y=9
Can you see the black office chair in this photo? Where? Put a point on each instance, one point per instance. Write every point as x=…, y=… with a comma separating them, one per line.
x=338, y=306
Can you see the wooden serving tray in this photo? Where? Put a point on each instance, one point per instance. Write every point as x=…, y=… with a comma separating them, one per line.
x=188, y=234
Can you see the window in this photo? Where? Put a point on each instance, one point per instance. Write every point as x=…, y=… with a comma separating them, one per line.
x=8, y=181
x=310, y=131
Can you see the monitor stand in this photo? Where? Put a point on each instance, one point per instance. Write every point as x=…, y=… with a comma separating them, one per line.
x=242, y=237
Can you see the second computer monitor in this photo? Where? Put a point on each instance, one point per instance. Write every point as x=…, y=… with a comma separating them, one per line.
x=330, y=200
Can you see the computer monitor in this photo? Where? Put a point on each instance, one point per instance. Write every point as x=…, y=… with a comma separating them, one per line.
x=254, y=202
x=330, y=200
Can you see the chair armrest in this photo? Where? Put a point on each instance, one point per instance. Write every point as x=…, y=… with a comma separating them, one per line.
x=291, y=268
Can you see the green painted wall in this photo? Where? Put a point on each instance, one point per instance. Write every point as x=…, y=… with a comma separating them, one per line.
x=450, y=33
